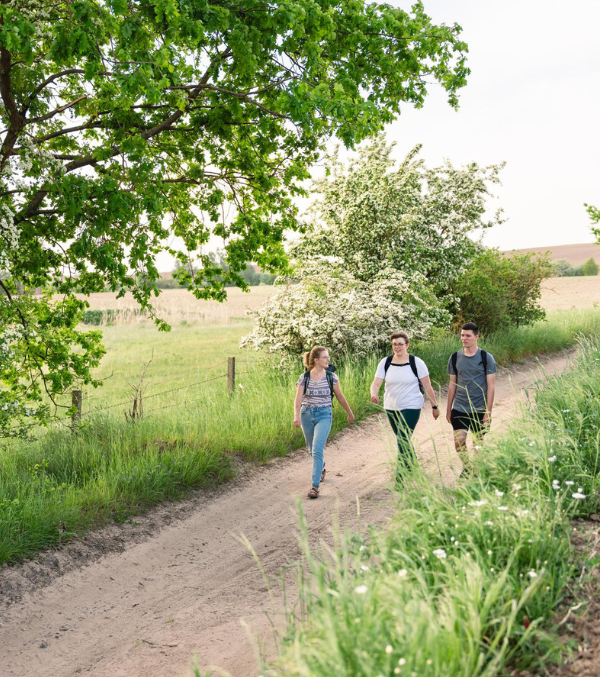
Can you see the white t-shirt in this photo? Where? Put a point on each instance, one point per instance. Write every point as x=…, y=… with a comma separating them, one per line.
x=401, y=385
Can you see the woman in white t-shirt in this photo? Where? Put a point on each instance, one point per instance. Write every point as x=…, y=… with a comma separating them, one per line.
x=403, y=398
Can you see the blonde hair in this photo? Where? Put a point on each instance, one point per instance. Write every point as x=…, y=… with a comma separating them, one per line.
x=311, y=357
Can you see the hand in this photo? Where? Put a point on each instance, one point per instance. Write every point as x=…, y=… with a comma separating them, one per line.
x=350, y=417
x=297, y=423
x=436, y=414
x=448, y=417
x=375, y=399
x=486, y=420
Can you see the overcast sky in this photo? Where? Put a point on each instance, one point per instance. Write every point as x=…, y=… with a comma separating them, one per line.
x=532, y=100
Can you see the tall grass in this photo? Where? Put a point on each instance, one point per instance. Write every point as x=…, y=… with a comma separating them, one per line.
x=464, y=583
x=65, y=483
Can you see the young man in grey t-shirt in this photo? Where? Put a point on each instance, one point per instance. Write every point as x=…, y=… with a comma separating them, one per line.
x=471, y=391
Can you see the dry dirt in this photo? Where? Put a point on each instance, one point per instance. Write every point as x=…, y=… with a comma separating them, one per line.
x=566, y=293
x=576, y=254
x=142, y=599
x=176, y=305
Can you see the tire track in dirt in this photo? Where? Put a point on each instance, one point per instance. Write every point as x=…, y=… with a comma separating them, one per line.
x=183, y=589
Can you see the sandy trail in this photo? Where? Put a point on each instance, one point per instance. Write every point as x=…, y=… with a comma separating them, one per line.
x=185, y=589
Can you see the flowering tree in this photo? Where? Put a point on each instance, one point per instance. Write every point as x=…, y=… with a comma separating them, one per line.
x=371, y=214
x=401, y=236
x=125, y=123
x=329, y=306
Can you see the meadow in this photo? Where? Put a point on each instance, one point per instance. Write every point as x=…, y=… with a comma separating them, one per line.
x=193, y=433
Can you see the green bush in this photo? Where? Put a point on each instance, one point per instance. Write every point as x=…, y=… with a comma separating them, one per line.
x=108, y=315
x=92, y=317
x=499, y=291
x=563, y=268
x=590, y=267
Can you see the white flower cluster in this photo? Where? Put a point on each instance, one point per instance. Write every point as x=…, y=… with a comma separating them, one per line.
x=331, y=307
x=9, y=231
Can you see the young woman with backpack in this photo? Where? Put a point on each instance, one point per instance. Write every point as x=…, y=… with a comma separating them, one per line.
x=312, y=409
x=406, y=379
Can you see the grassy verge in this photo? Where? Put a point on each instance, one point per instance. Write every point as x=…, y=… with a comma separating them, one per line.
x=463, y=583
x=63, y=484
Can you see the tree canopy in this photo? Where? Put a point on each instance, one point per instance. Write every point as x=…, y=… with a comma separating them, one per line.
x=128, y=122
x=372, y=213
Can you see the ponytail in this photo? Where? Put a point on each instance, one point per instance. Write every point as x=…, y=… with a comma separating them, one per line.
x=312, y=356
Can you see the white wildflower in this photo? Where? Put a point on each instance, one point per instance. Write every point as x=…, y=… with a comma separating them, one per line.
x=502, y=507
x=389, y=648
x=532, y=574
x=552, y=459
x=578, y=495
x=440, y=553
x=499, y=493
x=402, y=573
x=361, y=590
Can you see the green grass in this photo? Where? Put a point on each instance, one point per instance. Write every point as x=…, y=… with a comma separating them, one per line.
x=464, y=583
x=65, y=483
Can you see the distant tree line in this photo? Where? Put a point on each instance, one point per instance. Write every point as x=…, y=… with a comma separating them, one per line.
x=563, y=268
x=249, y=274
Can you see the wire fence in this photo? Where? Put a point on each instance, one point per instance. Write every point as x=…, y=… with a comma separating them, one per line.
x=140, y=394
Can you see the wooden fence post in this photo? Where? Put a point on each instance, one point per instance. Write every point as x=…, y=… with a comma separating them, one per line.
x=230, y=375
x=77, y=401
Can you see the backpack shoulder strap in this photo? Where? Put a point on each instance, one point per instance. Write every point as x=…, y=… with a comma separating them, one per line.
x=388, y=361
x=413, y=366
x=484, y=361
x=454, y=360
x=329, y=375
x=306, y=380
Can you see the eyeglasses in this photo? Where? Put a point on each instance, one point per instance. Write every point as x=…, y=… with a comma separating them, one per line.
x=399, y=344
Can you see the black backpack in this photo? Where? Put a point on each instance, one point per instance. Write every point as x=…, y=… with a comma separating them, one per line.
x=454, y=359
x=413, y=366
x=328, y=373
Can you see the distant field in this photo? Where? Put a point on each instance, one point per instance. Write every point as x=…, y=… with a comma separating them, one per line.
x=564, y=293
x=576, y=254
x=178, y=305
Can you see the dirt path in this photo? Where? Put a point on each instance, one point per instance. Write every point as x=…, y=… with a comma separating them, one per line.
x=182, y=589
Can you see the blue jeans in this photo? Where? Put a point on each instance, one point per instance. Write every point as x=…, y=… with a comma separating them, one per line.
x=316, y=424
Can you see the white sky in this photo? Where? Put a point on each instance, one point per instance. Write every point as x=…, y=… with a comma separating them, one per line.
x=532, y=99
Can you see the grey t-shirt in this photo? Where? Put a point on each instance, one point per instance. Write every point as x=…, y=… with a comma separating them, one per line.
x=471, y=382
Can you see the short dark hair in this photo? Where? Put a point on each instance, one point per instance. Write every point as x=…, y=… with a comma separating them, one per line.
x=470, y=326
x=400, y=334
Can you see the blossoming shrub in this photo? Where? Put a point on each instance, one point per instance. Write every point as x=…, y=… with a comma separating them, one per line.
x=463, y=584
x=331, y=307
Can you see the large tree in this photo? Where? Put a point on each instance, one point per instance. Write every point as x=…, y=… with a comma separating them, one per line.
x=127, y=122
